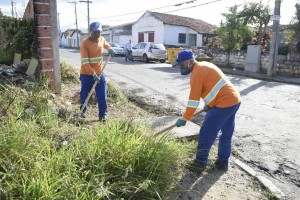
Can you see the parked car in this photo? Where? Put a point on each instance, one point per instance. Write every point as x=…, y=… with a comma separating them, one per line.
x=149, y=51
x=117, y=48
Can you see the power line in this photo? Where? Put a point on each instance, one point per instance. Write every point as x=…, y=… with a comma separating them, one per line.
x=163, y=12
x=193, y=6
x=179, y=4
x=132, y=19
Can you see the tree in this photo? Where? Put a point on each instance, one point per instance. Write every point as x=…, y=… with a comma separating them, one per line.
x=233, y=33
x=294, y=31
x=1, y=14
x=257, y=13
x=20, y=36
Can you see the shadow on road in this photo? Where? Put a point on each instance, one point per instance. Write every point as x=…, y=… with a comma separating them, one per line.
x=192, y=185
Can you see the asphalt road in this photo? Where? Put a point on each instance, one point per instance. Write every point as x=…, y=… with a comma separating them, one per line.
x=267, y=135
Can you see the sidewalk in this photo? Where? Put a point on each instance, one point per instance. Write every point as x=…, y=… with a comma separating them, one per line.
x=261, y=76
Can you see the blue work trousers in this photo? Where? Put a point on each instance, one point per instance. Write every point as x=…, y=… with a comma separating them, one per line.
x=87, y=83
x=216, y=120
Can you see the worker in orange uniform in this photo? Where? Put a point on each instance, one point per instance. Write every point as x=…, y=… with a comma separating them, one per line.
x=91, y=50
x=222, y=101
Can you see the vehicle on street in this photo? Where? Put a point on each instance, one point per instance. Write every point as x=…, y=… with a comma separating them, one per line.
x=147, y=51
x=120, y=51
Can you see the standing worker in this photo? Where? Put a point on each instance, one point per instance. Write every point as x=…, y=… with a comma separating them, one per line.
x=128, y=49
x=91, y=50
x=222, y=101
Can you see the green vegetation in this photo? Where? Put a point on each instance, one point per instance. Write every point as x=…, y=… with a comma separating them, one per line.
x=68, y=73
x=233, y=34
x=257, y=13
x=4, y=57
x=43, y=157
x=21, y=37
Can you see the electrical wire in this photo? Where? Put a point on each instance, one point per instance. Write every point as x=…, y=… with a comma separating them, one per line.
x=193, y=6
x=150, y=9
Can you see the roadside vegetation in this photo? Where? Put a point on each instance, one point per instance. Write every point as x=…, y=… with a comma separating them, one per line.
x=43, y=157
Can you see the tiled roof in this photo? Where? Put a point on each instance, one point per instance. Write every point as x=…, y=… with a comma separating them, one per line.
x=196, y=24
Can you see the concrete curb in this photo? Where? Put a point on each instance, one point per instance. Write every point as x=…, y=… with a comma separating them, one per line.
x=263, y=180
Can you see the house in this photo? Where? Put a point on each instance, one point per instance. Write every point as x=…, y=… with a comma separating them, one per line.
x=69, y=38
x=170, y=30
x=119, y=34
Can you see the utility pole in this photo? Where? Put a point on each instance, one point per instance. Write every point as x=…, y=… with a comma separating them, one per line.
x=76, y=22
x=88, y=11
x=274, y=41
x=12, y=8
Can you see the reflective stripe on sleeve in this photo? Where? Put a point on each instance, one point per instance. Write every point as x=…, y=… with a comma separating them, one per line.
x=213, y=93
x=193, y=104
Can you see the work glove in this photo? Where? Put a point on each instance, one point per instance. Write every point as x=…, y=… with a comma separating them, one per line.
x=180, y=122
x=95, y=77
x=111, y=52
x=206, y=108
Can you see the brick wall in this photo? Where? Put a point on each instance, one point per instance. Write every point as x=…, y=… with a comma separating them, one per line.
x=46, y=35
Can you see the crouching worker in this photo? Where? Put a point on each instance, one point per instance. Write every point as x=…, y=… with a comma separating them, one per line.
x=91, y=50
x=222, y=101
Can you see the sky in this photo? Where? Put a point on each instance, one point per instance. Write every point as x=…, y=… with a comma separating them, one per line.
x=116, y=12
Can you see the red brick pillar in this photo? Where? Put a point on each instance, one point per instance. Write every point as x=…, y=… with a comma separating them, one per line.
x=45, y=15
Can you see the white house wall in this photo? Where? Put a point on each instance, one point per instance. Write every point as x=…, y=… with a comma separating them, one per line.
x=172, y=32
x=63, y=41
x=122, y=39
x=147, y=24
x=74, y=40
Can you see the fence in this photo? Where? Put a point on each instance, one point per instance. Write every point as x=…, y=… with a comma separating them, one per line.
x=286, y=64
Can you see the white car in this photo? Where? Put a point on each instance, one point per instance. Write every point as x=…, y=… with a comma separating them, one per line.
x=117, y=48
x=147, y=51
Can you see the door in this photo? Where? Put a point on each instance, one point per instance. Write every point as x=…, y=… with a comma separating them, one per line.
x=192, y=39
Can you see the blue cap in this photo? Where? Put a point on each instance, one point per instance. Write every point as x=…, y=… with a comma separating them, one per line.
x=182, y=56
x=95, y=26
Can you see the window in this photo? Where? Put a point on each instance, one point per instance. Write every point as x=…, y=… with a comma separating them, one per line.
x=141, y=37
x=143, y=45
x=151, y=37
x=181, y=38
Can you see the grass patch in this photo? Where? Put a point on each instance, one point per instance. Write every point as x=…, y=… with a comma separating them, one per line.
x=115, y=96
x=68, y=73
x=43, y=157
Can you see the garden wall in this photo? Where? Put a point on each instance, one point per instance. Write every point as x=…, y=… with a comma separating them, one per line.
x=286, y=65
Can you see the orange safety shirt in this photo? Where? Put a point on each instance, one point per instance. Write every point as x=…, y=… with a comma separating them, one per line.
x=91, y=55
x=208, y=82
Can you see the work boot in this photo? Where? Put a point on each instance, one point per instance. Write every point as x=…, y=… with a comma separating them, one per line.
x=220, y=166
x=195, y=166
x=102, y=118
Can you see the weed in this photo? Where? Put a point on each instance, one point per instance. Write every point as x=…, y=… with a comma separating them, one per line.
x=43, y=157
x=68, y=73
